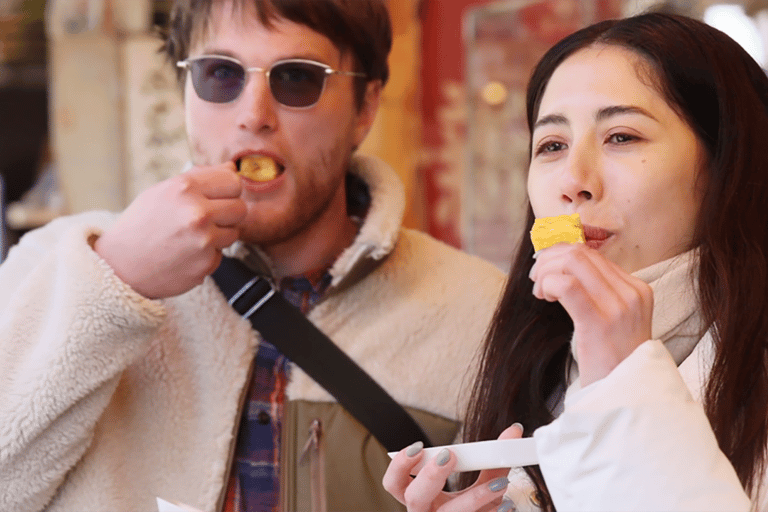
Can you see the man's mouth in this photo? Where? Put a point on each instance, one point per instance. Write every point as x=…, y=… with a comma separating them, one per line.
x=260, y=168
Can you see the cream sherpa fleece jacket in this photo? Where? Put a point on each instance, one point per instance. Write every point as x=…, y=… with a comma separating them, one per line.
x=109, y=399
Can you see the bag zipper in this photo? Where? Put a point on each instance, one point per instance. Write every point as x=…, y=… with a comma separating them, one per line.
x=314, y=454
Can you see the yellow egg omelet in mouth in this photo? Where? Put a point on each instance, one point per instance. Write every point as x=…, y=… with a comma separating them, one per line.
x=548, y=231
x=258, y=168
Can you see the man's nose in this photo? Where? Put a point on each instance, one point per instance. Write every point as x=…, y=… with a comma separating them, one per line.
x=257, y=107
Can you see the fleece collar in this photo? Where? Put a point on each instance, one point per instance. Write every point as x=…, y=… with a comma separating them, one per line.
x=677, y=320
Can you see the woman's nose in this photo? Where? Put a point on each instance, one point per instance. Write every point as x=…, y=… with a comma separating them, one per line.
x=256, y=105
x=581, y=178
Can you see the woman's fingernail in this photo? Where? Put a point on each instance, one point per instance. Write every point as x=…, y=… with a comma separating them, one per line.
x=498, y=484
x=519, y=425
x=414, y=448
x=506, y=506
x=443, y=457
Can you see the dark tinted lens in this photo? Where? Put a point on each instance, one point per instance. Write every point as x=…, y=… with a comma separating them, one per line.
x=297, y=84
x=217, y=80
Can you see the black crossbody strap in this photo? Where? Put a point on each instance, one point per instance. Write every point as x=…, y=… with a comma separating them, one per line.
x=283, y=325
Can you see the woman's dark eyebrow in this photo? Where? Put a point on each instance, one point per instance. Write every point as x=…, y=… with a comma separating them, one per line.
x=602, y=114
x=605, y=113
x=550, y=119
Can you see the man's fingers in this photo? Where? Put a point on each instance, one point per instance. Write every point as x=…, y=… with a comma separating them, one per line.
x=224, y=237
x=227, y=212
x=218, y=182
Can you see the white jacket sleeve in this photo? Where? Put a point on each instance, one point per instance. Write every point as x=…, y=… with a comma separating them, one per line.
x=68, y=327
x=636, y=440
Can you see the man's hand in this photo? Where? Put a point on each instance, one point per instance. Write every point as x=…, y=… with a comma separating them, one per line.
x=170, y=237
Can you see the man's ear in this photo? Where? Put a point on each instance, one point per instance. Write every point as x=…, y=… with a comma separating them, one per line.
x=367, y=113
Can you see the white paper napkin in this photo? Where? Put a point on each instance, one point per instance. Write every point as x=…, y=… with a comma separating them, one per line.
x=167, y=506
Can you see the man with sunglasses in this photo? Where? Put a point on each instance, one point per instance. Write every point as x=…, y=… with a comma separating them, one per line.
x=124, y=373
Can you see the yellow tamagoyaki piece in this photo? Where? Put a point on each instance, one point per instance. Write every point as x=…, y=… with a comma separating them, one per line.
x=258, y=168
x=548, y=231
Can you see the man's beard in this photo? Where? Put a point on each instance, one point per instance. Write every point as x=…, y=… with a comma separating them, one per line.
x=304, y=212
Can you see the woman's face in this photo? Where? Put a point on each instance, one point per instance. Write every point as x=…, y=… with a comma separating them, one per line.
x=606, y=145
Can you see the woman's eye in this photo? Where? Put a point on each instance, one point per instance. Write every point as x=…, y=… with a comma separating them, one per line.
x=621, y=138
x=549, y=147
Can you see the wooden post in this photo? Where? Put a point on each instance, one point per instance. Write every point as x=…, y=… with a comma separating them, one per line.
x=107, y=82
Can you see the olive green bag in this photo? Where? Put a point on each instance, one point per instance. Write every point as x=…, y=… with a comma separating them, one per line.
x=284, y=326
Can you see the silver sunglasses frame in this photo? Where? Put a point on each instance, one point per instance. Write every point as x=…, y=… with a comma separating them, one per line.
x=187, y=64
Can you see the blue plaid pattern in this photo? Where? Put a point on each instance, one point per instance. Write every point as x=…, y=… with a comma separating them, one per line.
x=254, y=484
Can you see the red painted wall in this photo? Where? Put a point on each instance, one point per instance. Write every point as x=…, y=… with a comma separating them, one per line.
x=443, y=62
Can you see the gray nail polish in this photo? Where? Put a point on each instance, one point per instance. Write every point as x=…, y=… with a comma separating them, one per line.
x=414, y=448
x=498, y=484
x=443, y=457
x=506, y=506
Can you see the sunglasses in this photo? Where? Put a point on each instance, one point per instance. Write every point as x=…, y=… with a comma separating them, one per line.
x=296, y=83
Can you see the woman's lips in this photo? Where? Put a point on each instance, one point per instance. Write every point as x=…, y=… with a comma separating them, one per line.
x=596, y=237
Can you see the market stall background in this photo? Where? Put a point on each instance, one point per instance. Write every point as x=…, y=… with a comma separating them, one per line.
x=90, y=113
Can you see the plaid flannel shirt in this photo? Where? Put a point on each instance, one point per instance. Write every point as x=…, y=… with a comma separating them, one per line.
x=254, y=484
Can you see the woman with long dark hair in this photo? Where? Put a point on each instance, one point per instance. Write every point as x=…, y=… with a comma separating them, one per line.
x=639, y=359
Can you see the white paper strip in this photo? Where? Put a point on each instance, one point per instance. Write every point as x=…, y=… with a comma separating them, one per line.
x=167, y=506
x=506, y=453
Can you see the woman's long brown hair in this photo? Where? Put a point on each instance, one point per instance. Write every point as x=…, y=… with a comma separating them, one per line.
x=722, y=94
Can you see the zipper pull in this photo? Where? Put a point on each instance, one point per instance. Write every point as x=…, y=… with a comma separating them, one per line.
x=313, y=442
x=314, y=454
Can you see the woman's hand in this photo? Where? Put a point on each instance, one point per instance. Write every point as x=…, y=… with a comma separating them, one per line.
x=424, y=493
x=170, y=237
x=611, y=309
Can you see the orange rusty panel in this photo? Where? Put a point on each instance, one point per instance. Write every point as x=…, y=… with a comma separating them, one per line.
x=396, y=134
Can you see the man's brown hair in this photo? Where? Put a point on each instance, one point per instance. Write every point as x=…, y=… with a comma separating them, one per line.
x=361, y=28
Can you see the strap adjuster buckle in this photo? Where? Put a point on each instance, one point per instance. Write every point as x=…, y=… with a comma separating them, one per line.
x=260, y=300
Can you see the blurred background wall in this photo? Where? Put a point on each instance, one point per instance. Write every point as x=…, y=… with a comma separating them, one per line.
x=23, y=93
x=90, y=114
